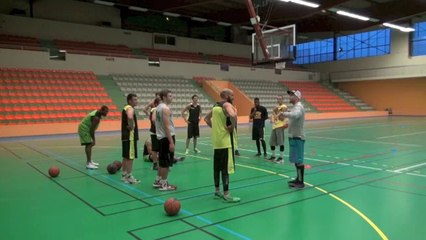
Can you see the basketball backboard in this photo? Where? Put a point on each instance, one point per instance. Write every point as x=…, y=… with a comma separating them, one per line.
x=280, y=45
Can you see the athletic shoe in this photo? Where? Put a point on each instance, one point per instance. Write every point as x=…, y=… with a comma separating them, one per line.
x=279, y=160
x=292, y=182
x=196, y=150
x=94, y=163
x=167, y=187
x=91, y=166
x=156, y=184
x=297, y=184
x=258, y=155
x=131, y=180
x=265, y=155
x=272, y=158
x=218, y=195
x=237, y=153
x=186, y=152
x=229, y=199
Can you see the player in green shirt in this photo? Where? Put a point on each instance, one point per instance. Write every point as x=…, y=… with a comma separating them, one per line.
x=86, y=131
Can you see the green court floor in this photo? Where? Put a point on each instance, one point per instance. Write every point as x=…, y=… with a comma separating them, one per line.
x=367, y=181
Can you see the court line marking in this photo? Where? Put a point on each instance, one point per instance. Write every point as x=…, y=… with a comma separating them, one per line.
x=366, y=141
x=57, y=156
x=410, y=167
x=415, y=174
x=359, y=213
x=325, y=161
x=401, y=135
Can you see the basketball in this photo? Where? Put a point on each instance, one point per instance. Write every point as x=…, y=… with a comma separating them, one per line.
x=112, y=168
x=117, y=164
x=54, y=171
x=172, y=206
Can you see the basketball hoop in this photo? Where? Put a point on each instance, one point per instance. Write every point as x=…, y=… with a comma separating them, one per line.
x=280, y=65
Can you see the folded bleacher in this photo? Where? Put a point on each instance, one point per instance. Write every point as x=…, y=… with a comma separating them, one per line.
x=92, y=48
x=19, y=42
x=50, y=96
x=169, y=55
x=320, y=97
x=266, y=91
x=145, y=87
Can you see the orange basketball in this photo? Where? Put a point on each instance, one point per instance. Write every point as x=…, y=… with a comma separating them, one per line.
x=172, y=206
x=54, y=171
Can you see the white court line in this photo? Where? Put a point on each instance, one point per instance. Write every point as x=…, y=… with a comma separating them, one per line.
x=401, y=135
x=366, y=141
x=372, y=168
x=414, y=174
x=344, y=164
x=317, y=130
x=325, y=161
x=410, y=167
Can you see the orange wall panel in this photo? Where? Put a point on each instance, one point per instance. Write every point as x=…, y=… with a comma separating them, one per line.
x=404, y=96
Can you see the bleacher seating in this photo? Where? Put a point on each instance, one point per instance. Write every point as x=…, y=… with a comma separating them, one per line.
x=19, y=42
x=91, y=48
x=235, y=61
x=320, y=97
x=45, y=96
x=266, y=91
x=173, y=55
x=145, y=87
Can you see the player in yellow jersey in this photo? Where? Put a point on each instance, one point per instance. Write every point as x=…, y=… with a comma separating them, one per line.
x=278, y=126
x=222, y=120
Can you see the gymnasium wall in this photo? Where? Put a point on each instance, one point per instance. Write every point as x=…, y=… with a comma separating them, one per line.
x=49, y=29
x=405, y=96
x=66, y=10
x=398, y=64
x=107, y=65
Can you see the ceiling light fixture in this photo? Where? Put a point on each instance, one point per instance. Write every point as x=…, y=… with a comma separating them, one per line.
x=171, y=14
x=104, y=3
x=400, y=28
x=139, y=9
x=224, y=24
x=352, y=15
x=198, y=19
x=246, y=27
x=304, y=3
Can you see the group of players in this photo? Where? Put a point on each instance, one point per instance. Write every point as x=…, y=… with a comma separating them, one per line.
x=158, y=148
x=222, y=118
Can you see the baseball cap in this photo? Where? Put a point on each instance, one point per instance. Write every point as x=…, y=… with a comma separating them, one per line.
x=297, y=93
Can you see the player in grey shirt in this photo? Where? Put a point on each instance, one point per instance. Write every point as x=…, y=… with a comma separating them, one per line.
x=165, y=131
x=296, y=137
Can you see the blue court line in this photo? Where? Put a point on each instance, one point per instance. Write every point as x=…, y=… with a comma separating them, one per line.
x=143, y=193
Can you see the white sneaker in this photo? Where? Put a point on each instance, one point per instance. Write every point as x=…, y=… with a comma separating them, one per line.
x=94, y=163
x=186, y=152
x=91, y=166
x=196, y=150
x=132, y=180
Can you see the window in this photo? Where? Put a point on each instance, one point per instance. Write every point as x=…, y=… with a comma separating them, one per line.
x=159, y=39
x=164, y=39
x=315, y=51
x=365, y=44
x=418, y=40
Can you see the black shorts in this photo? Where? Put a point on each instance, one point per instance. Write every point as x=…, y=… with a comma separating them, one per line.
x=165, y=157
x=130, y=149
x=220, y=160
x=257, y=133
x=193, y=130
x=155, y=144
